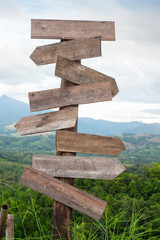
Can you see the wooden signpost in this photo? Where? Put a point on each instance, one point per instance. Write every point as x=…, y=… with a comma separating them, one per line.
x=80, y=74
x=79, y=85
x=73, y=50
x=80, y=94
x=71, y=29
x=63, y=192
x=64, y=224
x=86, y=143
x=78, y=167
x=65, y=118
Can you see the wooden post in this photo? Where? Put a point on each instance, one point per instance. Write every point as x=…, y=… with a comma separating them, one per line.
x=62, y=215
x=10, y=227
x=3, y=219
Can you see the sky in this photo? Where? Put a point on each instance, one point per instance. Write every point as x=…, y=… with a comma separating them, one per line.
x=133, y=59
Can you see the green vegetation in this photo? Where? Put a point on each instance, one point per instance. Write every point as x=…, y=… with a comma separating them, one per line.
x=133, y=210
x=142, y=149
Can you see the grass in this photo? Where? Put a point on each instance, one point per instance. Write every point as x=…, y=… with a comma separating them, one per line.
x=109, y=228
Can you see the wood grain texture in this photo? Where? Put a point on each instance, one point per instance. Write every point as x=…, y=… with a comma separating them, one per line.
x=73, y=50
x=63, y=192
x=80, y=94
x=48, y=122
x=10, y=227
x=86, y=143
x=64, y=225
x=78, y=167
x=80, y=74
x=72, y=29
x=3, y=220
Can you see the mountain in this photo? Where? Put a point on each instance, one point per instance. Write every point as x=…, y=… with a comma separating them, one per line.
x=103, y=127
x=144, y=128
x=12, y=110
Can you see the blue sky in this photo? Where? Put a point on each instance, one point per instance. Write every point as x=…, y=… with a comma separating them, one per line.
x=133, y=59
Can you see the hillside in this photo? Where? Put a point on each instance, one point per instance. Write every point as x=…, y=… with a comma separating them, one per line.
x=12, y=110
x=139, y=149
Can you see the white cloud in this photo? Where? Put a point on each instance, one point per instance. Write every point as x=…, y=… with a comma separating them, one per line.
x=133, y=59
x=120, y=111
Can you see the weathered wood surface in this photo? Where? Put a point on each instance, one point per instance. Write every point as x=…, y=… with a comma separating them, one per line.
x=10, y=227
x=71, y=29
x=64, y=225
x=86, y=143
x=63, y=192
x=65, y=118
x=80, y=74
x=78, y=167
x=80, y=94
x=73, y=50
x=3, y=219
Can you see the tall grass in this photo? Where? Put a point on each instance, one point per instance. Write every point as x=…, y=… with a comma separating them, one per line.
x=109, y=228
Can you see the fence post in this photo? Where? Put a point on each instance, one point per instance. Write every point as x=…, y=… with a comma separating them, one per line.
x=3, y=220
x=10, y=227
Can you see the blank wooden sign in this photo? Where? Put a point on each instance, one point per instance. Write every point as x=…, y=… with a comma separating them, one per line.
x=74, y=50
x=63, y=192
x=71, y=29
x=60, y=97
x=65, y=118
x=86, y=143
x=78, y=167
x=80, y=74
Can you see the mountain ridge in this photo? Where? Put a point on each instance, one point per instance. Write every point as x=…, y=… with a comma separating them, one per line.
x=12, y=110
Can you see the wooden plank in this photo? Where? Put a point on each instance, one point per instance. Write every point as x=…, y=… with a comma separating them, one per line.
x=10, y=227
x=78, y=167
x=86, y=143
x=71, y=29
x=65, y=118
x=80, y=94
x=63, y=192
x=80, y=74
x=73, y=50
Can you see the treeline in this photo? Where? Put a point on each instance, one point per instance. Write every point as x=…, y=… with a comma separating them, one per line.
x=133, y=202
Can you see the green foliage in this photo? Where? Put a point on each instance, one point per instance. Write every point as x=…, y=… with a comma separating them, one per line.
x=133, y=210
x=37, y=143
x=133, y=206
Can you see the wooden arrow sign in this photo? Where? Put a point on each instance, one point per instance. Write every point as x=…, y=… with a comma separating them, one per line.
x=63, y=193
x=80, y=74
x=71, y=29
x=86, y=143
x=65, y=118
x=78, y=167
x=80, y=94
x=74, y=50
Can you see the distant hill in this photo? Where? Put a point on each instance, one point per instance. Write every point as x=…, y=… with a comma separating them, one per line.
x=143, y=128
x=12, y=110
x=102, y=127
